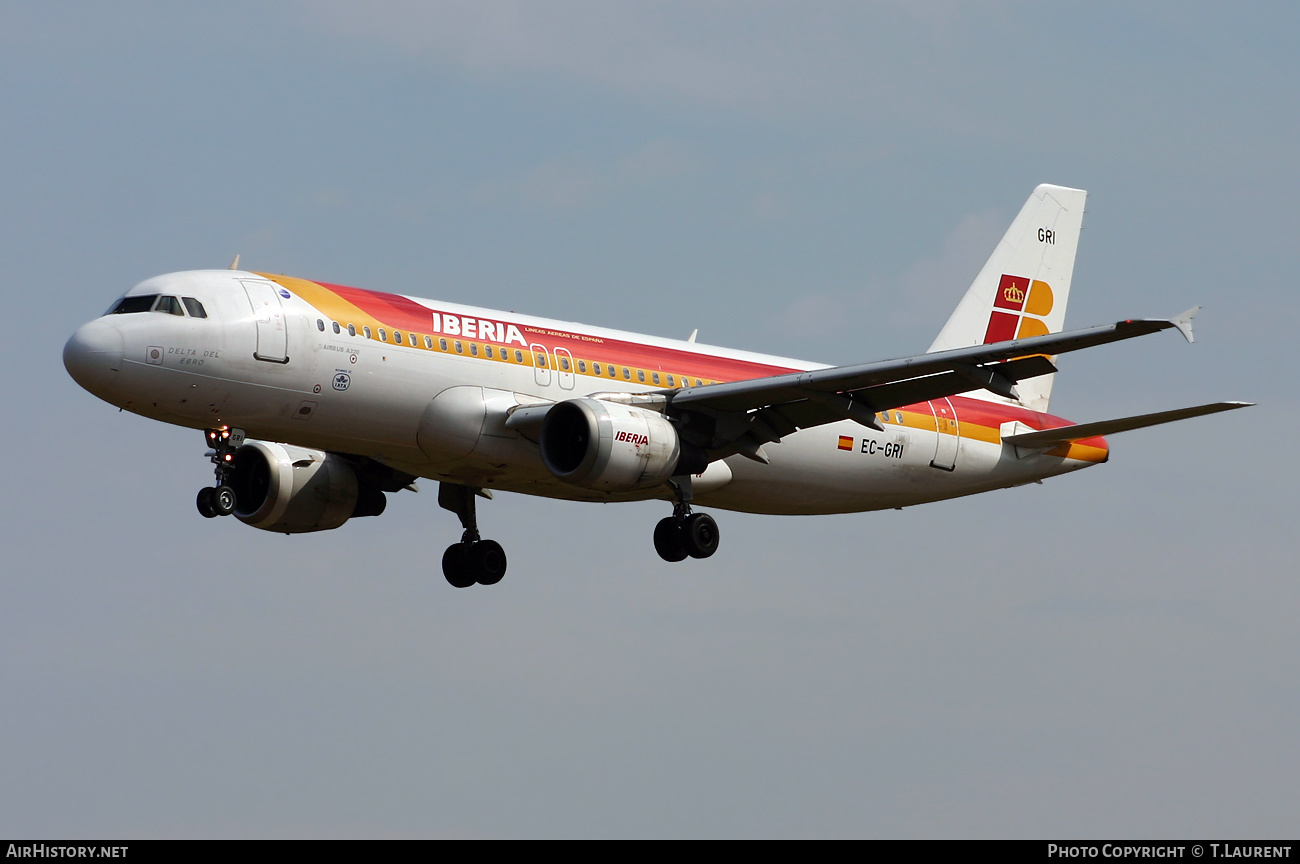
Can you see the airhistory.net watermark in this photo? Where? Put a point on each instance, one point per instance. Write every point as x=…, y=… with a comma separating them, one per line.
x=41, y=850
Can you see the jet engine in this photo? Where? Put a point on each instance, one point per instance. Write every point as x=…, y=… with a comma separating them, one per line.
x=293, y=490
x=607, y=446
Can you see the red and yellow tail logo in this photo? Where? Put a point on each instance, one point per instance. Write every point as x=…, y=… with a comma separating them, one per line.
x=1026, y=303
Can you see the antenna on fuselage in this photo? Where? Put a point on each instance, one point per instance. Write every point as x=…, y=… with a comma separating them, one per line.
x=234, y=265
x=694, y=333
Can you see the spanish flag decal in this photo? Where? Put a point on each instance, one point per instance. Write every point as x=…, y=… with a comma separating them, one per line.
x=846, y=442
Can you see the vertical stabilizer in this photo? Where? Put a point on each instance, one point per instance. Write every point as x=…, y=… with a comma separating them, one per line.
x=1023, y=288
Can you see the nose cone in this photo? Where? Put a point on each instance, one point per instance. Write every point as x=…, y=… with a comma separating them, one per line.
x=93, y=357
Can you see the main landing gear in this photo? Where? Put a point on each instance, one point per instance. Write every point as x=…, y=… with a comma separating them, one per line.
x=219, y=500
x=685, y=534
x=471, y=560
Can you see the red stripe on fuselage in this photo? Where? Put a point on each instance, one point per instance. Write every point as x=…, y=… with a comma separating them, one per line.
x=402, y=313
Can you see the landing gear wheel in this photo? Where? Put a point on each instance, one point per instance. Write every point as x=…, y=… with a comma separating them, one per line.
x=668, y=540
x=487, y=561
x=223, y=500
x=207, y=503
x=700, y=535
x=456, y=566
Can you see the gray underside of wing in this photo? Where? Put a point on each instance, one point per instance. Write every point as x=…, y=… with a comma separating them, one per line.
x=801, y=399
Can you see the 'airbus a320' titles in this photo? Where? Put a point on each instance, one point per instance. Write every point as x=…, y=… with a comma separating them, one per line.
x=317, y=401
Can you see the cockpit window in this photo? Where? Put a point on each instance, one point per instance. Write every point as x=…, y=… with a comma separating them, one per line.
x=168, y=304
x=194, y=307
x=128, y=305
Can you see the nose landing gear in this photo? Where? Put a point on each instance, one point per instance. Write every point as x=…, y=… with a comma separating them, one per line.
x=216, y=501
x=472, y=560
x=219, y=500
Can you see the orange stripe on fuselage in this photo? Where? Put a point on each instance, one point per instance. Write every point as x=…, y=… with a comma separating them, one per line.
x=977, y=419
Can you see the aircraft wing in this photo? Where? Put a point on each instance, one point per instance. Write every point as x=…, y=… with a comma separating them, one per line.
x=766, y=409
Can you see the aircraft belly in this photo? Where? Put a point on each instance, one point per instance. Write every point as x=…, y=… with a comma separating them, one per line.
x=845, y=468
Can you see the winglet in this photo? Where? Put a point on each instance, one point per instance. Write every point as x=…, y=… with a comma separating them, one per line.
x=1184, y=323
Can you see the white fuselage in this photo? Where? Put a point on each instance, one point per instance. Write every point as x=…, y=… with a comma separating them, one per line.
x=267, y=359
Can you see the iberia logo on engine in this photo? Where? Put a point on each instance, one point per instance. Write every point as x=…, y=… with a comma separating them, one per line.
x=633, y=438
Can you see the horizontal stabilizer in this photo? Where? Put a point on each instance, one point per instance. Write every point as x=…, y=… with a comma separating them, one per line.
x=1066, y=434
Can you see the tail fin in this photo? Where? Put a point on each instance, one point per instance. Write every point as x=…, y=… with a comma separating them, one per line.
x=1024, y=286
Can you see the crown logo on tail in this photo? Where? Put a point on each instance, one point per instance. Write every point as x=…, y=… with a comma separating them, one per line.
x=1020, y=309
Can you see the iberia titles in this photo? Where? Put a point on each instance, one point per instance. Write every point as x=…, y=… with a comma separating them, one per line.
x=477, y=328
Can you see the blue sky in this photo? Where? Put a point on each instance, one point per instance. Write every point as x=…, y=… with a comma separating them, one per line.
x=1109, y=654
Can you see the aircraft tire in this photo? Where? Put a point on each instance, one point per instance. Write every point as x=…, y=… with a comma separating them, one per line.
x=700, y=535
x=487, y=561
x=669, y=541
x=456, y=566
x=207, y=502
x=223, y=500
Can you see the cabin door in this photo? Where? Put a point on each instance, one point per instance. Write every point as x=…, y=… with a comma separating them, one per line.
x=541, y=365
x=947, y=435
x=272, y=338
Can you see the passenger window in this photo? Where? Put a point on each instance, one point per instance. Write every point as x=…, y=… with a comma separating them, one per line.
x=320, y=325
x=582, y=366
x=128, y=305
x=366, y=330
x=541, y=361
x=167, y=304
x=595, y=367
x=519, y=356
x=459, y=348
x=442, y=344
x=473, y=348
x=336, y=327
x=564, y=363
x=699, y=383
x=194, y=307
x=411, y=338
x=670, y=381
x=627, y=376
x=654, y=376
x=352, y=330
x=487, y=349
x=640, y=375
x=428, y=342
x=397, y=336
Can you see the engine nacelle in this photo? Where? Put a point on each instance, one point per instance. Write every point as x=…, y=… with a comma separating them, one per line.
x=608, y=446
x=293, y=490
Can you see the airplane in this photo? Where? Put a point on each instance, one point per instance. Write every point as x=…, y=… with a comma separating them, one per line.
x=318, y=400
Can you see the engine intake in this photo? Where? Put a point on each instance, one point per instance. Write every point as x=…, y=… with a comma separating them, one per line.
x=293, y=490
x=608, y=446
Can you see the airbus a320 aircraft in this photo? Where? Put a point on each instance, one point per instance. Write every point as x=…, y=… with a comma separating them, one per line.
x=316, y=400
